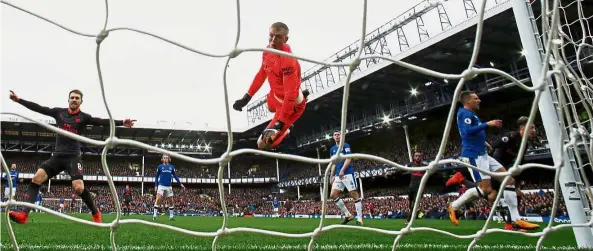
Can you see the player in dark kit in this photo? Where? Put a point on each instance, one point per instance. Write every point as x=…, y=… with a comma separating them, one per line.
x=127, y=199
x=415, y=179
x=66, y=155
x=414, y=182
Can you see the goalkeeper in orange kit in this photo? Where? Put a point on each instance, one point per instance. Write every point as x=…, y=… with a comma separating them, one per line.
x=285, y=98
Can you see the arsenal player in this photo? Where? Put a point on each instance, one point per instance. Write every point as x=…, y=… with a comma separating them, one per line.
x=67, y=154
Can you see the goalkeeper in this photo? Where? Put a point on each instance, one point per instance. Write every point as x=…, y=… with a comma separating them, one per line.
x=285, y=98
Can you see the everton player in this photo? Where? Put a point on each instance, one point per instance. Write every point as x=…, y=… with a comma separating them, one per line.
x=165, y=173
x=66, y=155
x=14, y=175
x=344, y=179
x=473, y=152
x=506, y=150
x=285, y=99
x=275, y=204
x=127, y=199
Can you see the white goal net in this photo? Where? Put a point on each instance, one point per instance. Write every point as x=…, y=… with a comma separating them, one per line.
x=557, y=45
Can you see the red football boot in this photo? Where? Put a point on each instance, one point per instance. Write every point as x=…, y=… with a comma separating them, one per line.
x=19, y=217
x=97, y=217
x=455, y=179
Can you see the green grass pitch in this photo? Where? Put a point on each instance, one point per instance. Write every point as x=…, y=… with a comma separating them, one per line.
x=47, y=232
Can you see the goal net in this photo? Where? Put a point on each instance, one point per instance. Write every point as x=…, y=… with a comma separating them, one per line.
x=558, y=49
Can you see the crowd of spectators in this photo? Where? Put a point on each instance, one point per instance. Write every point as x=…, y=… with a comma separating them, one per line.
x=386, y=202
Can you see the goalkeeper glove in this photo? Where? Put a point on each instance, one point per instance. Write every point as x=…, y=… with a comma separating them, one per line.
x=240, y=103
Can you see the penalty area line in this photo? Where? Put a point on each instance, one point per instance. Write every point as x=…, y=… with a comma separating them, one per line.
x=361, y=246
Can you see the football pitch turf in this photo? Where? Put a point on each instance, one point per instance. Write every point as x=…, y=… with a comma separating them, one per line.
x=47, y=232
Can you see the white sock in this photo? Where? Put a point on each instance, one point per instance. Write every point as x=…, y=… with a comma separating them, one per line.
x=510, y=197
x=342, y=207
x=171, y=212
x=469, y=195
x=358, y=206
x=156, y=210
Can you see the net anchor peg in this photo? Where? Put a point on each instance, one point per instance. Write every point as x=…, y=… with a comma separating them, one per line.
x=101, y=36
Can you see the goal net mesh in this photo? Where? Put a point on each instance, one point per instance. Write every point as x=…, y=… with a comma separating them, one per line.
x=565, y=47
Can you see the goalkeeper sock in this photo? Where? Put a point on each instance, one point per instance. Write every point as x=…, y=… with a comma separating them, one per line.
x=342, y=207
x=32, y=192
x=510, y=197
x=358, y=206
x=171, y=212
x=469, y=195
x=156, y=210
x=88, y=200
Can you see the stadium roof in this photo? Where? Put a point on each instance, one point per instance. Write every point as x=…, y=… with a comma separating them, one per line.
x=24, y=135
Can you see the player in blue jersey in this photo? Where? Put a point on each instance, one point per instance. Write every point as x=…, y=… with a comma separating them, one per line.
x=344, y=179
x=14, y=175
x=62, y=205
x=473, y=152
x=163, y=180
x=276, y=204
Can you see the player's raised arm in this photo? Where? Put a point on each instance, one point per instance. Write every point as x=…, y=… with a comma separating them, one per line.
x=105, y=122
x=257, y=83
x=466, y=126
x=33, y=106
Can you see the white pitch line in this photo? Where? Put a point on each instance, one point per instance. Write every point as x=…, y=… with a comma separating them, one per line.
x=366, y=246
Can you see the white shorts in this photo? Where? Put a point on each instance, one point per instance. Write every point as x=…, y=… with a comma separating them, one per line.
x=7, y=192
x=347, y=182
x=165, y=191
x=482, y=162
x=275, y=210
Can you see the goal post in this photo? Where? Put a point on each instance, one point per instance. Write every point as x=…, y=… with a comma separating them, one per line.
x=552, y=121
x=54, y=204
